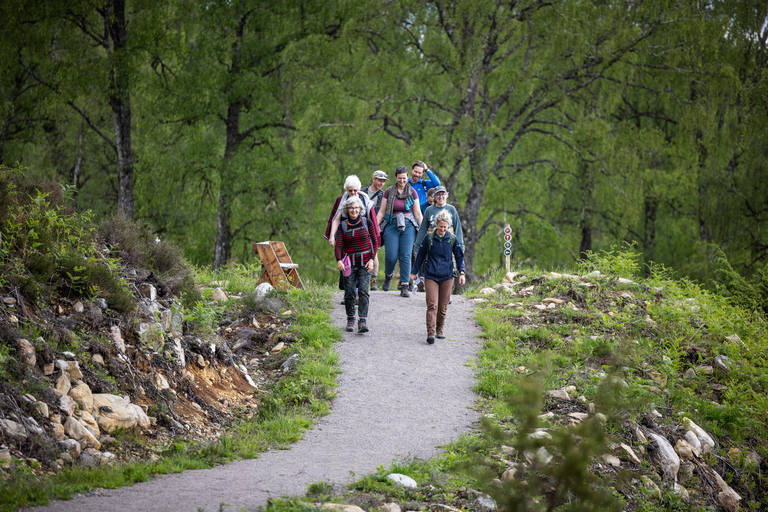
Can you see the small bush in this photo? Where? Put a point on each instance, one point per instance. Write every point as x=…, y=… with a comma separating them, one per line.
x=749, y=295
x=138, y=246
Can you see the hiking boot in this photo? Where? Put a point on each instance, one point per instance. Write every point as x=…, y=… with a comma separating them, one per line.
x=404, y=290
x=387, y=282
x=362, y=326
x=410, y=286
x=440, y=334
x=373, y=285
x=420, y=286
x=350, y=324
x=430, y=338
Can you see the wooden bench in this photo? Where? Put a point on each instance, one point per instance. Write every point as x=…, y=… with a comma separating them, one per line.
x=279, y=270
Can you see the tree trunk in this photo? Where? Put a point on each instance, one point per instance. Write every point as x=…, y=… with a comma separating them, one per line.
x=650, y=207
x=120, y=101
x=478, y=167
x=586, y=239
x=223, y=225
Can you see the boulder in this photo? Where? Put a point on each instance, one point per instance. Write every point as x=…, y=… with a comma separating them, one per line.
x=98, y=359
x=26, y=352
x=74, y=370
x=559, y=394
x=71, y=447
x=12, y=428
x=693, y=442
x=62, y=385
x=485, y=502
x=88, y=421
x=148, y=290
x=390, y=507
x=707, y=442
x=666, y=457
x=42, y=409
x=67, y=405
x=57, y=432
x=178, y=352
x=113, y=412
x=487, y=291
x=726, y=495
x=219, y=295
x=82, y=395
x=90, y=457
x=510, y=277
x=684, y=450
x=117, y=338
x=160, y=381
x=5, y=458
x=403, y=480
x=262, y=291
x=631, y=453
x=342, y=507
x=79, y=433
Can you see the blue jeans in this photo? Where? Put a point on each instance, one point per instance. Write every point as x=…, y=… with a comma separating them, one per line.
x=398, y=246
x=359, y=278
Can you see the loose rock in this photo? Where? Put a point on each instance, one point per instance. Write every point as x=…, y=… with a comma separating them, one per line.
x=666, y=457
x=403, y=480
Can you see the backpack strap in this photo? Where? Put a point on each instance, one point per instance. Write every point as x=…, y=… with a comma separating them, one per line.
x=344, y=227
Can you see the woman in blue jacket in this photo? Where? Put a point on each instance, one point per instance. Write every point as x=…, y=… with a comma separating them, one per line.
x=437, y=252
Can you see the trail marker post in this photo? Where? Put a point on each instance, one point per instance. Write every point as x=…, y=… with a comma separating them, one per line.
x=507, y=244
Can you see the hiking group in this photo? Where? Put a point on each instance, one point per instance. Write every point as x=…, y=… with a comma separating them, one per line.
x=419, y=231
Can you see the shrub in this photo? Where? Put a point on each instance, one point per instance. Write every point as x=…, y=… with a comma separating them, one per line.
x=749, y=295
x=138, y=246
x=46, y=248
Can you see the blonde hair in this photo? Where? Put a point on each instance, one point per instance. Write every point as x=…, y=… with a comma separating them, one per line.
x=444, y=216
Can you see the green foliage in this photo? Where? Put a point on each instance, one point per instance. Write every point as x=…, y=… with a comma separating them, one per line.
x=46, y=248
x=749, y=295
x=616, y=262
x=138, y=246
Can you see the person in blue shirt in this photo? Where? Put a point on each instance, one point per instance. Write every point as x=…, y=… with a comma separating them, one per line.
x=421, y=184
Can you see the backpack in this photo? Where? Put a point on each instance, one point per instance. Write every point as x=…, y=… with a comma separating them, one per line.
x=430, y=238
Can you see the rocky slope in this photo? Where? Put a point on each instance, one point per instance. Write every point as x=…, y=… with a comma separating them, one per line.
x=88, y=379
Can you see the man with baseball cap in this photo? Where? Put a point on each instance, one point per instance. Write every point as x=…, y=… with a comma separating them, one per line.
x=375, y=191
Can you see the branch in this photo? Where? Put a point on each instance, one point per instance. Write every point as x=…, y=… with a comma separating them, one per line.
x=256, y=127
x=70, y=103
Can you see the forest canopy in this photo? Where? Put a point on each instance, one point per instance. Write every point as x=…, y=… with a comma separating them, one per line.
x=582, y=124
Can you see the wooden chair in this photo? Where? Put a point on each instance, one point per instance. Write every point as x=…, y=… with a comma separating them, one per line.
x=279, y=270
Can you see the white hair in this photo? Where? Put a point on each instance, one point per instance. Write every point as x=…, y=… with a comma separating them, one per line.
x=351, y=202
x=352, y=181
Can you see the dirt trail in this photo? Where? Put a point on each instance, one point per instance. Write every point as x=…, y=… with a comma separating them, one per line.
x=398, y=398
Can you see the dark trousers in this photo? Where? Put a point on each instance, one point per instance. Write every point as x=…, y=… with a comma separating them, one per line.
x=359, y=278
x=438, y=297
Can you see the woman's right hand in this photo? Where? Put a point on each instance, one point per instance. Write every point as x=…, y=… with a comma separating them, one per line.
x=332, y=241
x=340, y=265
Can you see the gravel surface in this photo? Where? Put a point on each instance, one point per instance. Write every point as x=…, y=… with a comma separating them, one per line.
x=398, y=398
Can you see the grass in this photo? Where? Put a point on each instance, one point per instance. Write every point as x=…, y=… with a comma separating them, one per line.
x=626, y=349
x=289, y=409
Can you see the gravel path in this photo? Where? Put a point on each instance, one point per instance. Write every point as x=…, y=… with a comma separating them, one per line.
x=398, y=398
